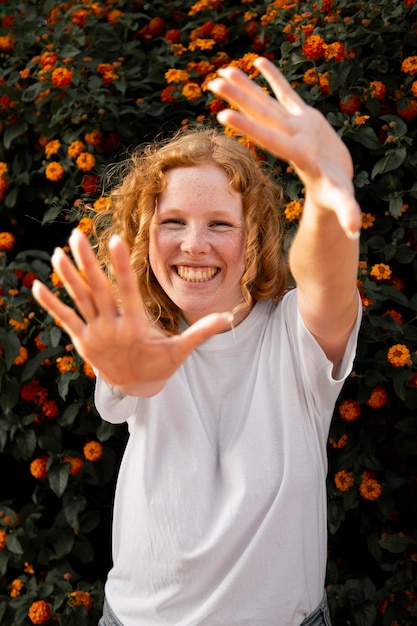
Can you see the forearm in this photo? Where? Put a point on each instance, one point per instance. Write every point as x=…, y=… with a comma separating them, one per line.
x=324, y=261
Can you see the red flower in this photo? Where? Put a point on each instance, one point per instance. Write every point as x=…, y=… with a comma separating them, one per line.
x=90, y=183
x=313, y=48
x=173, y=35
x=350, y=105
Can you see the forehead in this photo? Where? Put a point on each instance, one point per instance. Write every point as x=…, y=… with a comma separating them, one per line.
x=202, y=182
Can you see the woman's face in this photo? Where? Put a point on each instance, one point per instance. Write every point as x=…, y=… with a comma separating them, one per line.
x=197, y=241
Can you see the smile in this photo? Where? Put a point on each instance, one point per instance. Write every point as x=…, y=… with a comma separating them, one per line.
x=196, y=275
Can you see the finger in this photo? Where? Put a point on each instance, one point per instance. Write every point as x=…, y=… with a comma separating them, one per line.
x=93, y=292
x=74, y=283
x=127, y=283
x=282, y=89
x=241, y=92
x=65, y=315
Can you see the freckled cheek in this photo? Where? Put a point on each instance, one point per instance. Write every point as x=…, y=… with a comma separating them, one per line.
x=161, y=244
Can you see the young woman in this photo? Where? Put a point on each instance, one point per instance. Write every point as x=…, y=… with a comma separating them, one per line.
x=226, y=378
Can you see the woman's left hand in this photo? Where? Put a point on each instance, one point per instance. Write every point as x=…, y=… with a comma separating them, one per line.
x=293, y=131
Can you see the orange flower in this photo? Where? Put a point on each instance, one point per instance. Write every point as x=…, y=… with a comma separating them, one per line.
x=3, y=539
x=377, y=89
x=409, y=65
x=16, y=587
x=349, y=410
x=61, y=77
x=38, y=467
x=219, y=33
x=88, y=370
x=380, y=271
x=52, y=147
x=85, y=225
x=293, y=210
x=81, y=598
x=6, y=241
x=201, y=44
x=360, y=120
x=103, y=204
x=340, y=443
x=75, y=148
x=85, y=161
x=54, y=171
x=335, y=51
x=398, y=355
x=314, y=47
x=191, y=91
x=66, y=364
x=39, y=612
x=377, y=398
x=22, y=357
x=370, y=489
x=344, y=480
x=203, y=5
x=368, y=220
x=94, y=138
x=55, y=279
x=93, y=451
x=48, y=59
x=7, y=42
x=76, y=464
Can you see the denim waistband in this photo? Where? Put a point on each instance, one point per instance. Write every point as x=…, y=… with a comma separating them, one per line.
x=108, y=618
x=319, y=617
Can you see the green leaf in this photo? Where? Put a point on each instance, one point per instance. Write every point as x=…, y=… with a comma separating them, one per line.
x=13, y=131
x=58, y=476
x=391, y=161
x=26, y=442
x=32, y=92
x=34, y=363
x=14, y=544
x=63, y=545
x=10, y=396
x=394, y=543
x=408, y=425
x=11, y=345
x=69, y=415
x=366, y=136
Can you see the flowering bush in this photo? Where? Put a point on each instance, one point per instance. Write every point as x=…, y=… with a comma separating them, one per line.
x=81, y=83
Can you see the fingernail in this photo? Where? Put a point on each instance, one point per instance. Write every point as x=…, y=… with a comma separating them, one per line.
x=228, y=317
x=353, y=234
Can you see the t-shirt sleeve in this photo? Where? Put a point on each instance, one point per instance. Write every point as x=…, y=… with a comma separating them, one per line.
x=313, y=363
x=112, y=404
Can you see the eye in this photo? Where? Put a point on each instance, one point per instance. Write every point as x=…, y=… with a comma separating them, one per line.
x=172, y=223
x=221, y=225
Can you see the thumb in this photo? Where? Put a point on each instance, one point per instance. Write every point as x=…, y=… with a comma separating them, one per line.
x=205, y=328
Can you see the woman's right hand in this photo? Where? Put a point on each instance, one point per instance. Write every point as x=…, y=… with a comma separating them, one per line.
x=131, y=353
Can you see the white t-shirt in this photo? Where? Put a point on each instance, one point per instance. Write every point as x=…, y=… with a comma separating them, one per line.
x=220, y=507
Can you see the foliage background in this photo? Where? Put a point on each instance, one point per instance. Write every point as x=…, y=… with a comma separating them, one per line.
x=92, y=80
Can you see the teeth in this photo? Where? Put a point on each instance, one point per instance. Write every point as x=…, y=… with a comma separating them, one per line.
x=193, y=275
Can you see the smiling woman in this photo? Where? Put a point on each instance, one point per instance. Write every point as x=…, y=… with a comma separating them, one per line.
x=220, y=507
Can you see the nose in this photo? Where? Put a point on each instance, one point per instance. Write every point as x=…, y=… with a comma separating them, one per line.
x=195, y=240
